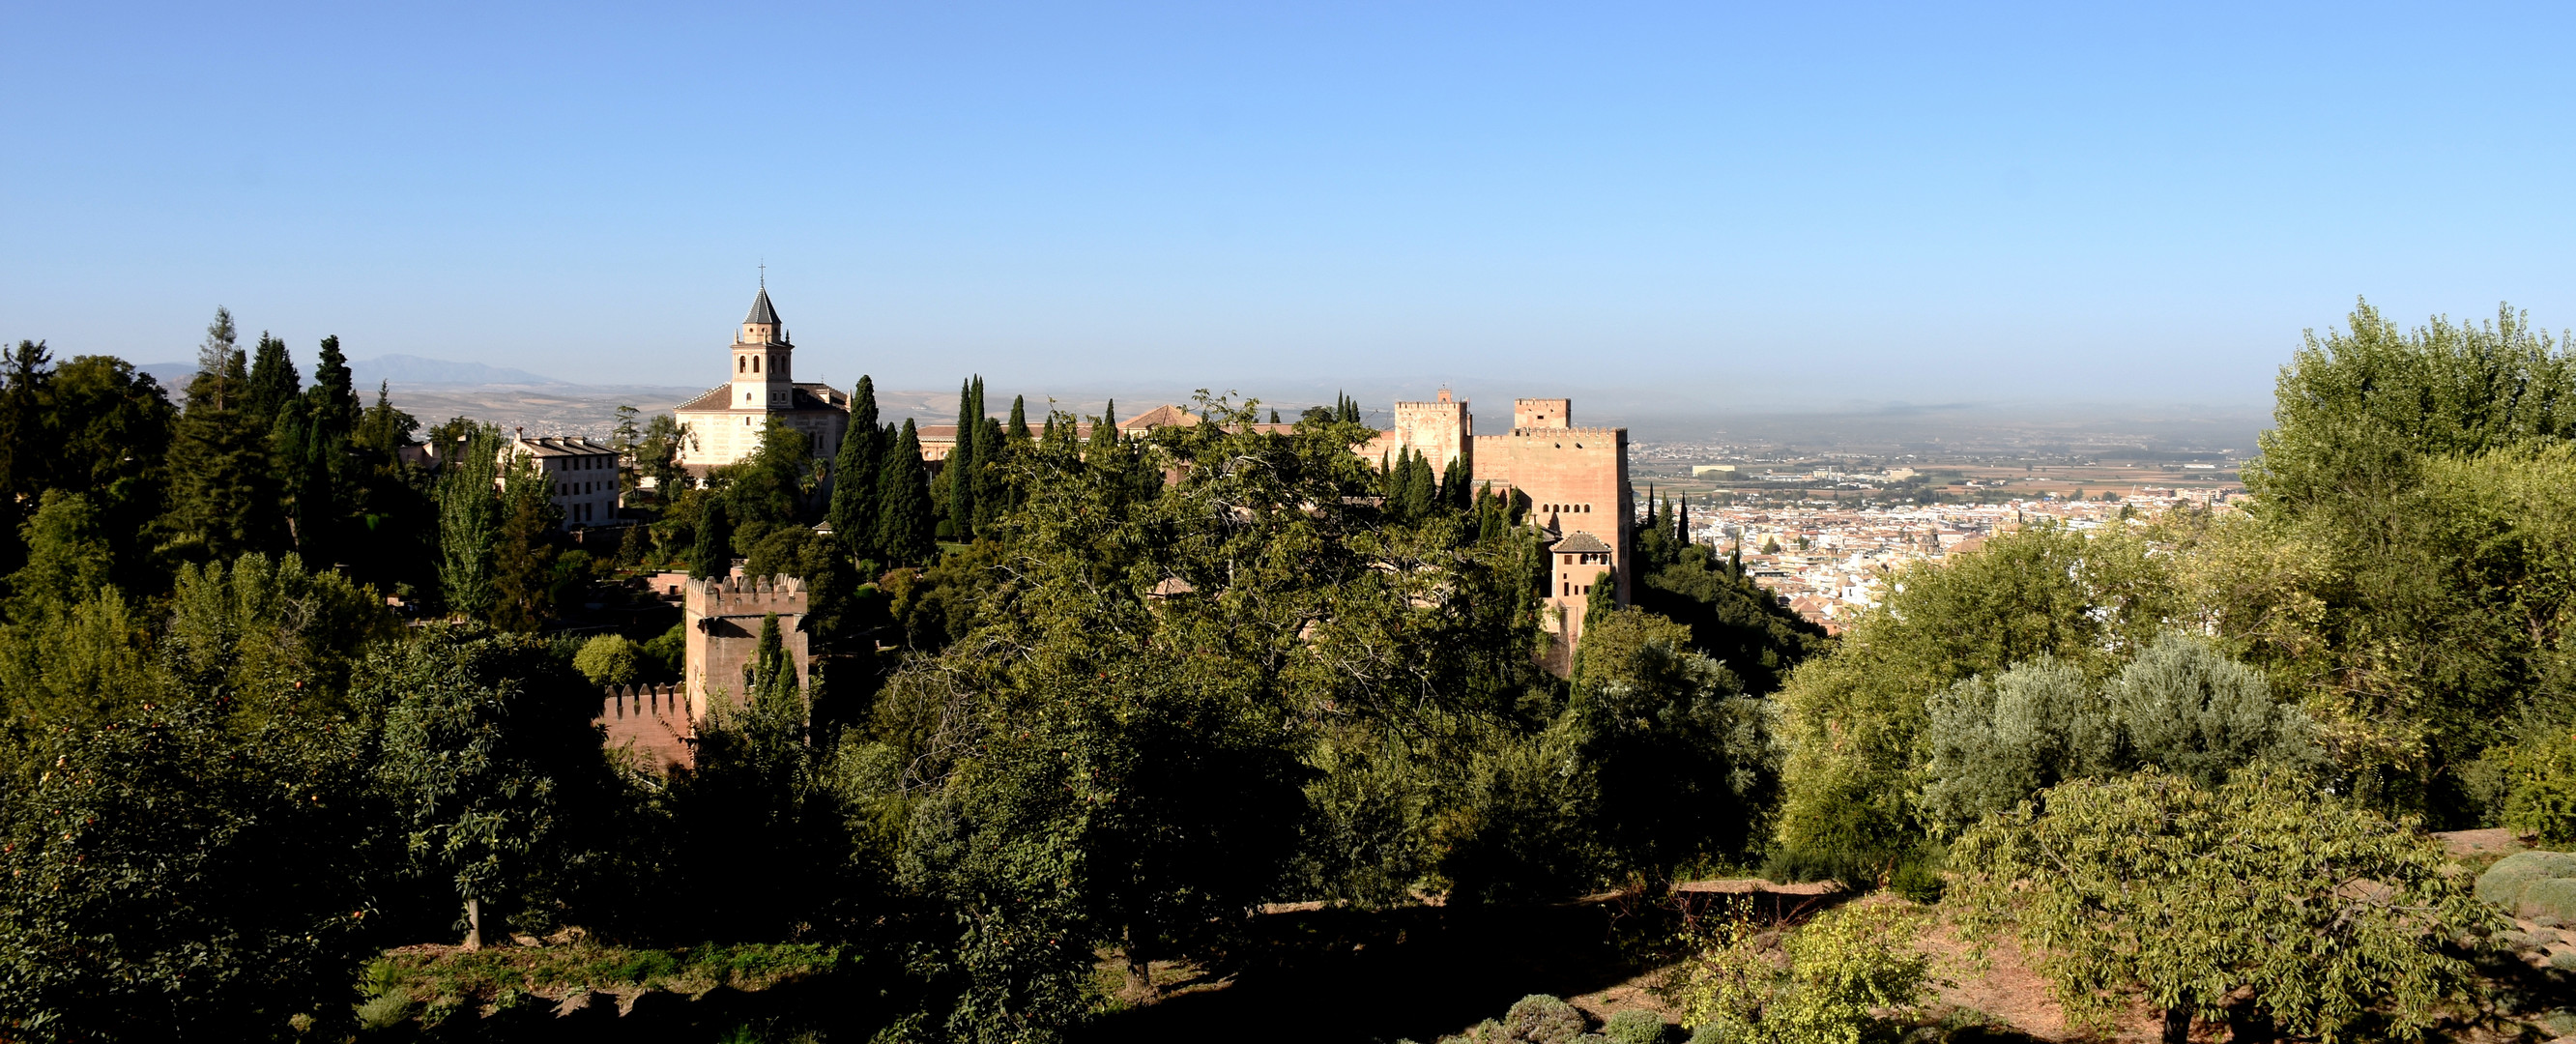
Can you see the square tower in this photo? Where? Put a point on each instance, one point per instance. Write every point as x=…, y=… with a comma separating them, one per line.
x=1542, y=413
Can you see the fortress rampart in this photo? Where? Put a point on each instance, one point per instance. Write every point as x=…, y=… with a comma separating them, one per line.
x=652, y=720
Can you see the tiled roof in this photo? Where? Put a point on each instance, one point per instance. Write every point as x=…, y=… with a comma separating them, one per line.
x=761, y=312
x=806, y=397
x=551, y=446
x=1160, y=417
x=1579, y=542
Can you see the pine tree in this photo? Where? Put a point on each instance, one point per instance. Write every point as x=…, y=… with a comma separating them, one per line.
x=223, y=495
x=714, y=553
x=904, y=520
x=273, y=382
x=854, y=475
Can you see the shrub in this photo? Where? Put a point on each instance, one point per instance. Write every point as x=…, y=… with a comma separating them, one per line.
x=2540, y=788
x=2531, y=883
x=1541, y=1019
x=1841, y=966
x=1634, y=1026
x=2151, y=889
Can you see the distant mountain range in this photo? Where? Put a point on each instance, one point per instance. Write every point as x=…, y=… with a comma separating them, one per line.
x=367, y=373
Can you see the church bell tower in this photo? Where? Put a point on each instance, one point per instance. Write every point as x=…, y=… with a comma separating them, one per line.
x=763, y=378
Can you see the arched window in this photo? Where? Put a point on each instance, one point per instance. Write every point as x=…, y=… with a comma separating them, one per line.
x=755, y=364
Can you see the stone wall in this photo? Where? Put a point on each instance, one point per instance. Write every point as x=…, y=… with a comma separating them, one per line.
x=652, y=721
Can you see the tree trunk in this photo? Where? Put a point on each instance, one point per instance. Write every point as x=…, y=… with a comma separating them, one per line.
x=2177, y=1025
x=1140, y=969
x=473, y=924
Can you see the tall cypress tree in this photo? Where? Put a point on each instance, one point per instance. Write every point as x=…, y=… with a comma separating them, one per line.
x=468, y=516
x=1019, y=429
x=335, y=399
x=904, y=520
x=714, y=555
x=953, y=491
x=854, y=475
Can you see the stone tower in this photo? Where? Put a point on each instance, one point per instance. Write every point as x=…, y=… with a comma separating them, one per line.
x=722, y=615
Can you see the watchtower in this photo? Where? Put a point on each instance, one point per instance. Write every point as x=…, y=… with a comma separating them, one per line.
x=723, y=615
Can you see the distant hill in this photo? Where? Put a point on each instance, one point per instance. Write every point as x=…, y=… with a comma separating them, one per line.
x=367, y=373
x=412, y=369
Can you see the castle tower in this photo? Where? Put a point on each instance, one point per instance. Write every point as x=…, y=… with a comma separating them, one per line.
x=762, y=359
x=722, y=616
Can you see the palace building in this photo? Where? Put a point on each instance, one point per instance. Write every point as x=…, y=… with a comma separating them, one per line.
x=1576, y=480
x=725, y=423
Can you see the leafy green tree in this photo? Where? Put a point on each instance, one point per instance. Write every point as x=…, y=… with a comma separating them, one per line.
x=608, y=659
x=271, y=625
x=1852, y=718
x=151, y=894
x=67, y=557
x=115, y=428
x=769, y=486
x=492, y=763
x=657, y=456
x=1730, y=617
x=2341, y=925
x=1681, y=757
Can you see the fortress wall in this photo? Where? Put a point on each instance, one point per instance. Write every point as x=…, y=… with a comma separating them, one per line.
x=653, y=720
x=723, y=617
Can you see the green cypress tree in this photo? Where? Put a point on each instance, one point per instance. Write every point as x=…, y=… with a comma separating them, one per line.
x=854, y=475
x=952, y=493
x=714, y=555
x=468, y=516
x=1104, y=431
x=992, y=480
x=904, y=515
x=1019, y=429
x=334, y=398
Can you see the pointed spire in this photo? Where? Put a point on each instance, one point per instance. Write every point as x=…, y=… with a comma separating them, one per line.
x=761, y=312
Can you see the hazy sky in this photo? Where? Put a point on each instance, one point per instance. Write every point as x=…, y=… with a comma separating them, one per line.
x=1759, y=203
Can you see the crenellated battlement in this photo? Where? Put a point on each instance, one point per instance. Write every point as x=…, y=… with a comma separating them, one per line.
x=746, y=596
x=650, y=720
x=1561, y=433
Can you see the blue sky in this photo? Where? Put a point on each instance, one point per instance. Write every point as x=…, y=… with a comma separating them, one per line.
x=1770, y=204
